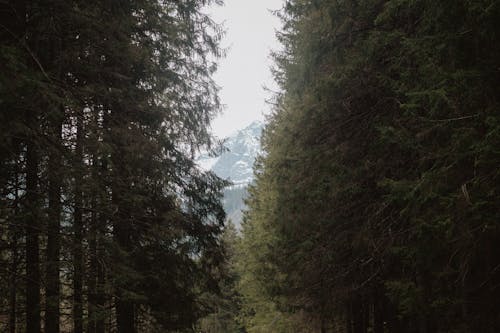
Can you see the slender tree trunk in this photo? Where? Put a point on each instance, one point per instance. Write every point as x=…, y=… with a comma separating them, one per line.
x=125, y=318
x=13, y=287
x=101, y=283
x=378, y=311
x=52, y=313
x=348, y=318
x=18, y=27
x=78, y=231
x=366, y=308
x=323, y=320
x=101, y=227
x=32, y=240
x=93, y=312
x=92, y=275
x=423, y=281
x=15, y=261
x=358, y=315
x=394, y=324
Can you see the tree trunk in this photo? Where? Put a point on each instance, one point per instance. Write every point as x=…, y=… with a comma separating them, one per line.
x=103, y=222
x=348, y=317
x=394, y=324
x=125, y=318
x=100, y=296
x=378, y=311
x=92, y=276
x=15, y=260
x=32, y=229
x=78, y=231
x=13, y=287
x=53, y=233
x=93, y=311
x=358, y=315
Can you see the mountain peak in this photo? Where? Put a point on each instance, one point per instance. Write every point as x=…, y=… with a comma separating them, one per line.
x=236, y=165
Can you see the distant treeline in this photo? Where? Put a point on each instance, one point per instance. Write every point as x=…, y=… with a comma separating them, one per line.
x=377, y=203
x=106, y=223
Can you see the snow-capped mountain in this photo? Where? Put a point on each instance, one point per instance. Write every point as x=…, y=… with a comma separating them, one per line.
x=236, y=165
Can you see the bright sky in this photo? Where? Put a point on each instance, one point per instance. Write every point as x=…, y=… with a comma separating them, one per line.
x=243, y=74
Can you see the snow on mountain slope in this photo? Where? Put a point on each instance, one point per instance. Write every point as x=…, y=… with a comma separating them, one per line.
x=236, y=165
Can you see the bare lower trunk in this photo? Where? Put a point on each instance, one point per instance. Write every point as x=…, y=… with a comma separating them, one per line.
x=78, y=232
x=124, y=306
x=101, y=227
x=100, y=296
x=53, y=236
x=125, y=318
x=14, y=267
x=13, y=289
x=92, y=275
x=32, y=229
x=378, y=311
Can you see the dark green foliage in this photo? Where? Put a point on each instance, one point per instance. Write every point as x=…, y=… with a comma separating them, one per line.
x=225, y=305
x=103, y=106
x=376, y=205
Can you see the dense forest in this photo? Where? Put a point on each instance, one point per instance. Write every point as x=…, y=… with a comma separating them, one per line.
x=106, y=223
x=376, y=201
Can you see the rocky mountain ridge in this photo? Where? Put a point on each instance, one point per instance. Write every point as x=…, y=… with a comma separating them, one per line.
x=236, y=165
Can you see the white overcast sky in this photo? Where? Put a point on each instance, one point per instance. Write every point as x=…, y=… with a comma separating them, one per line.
x=245, y=71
